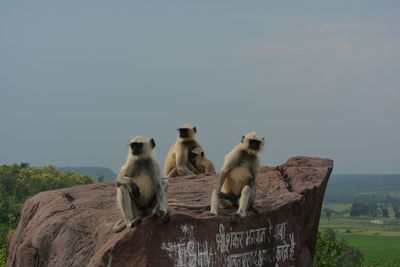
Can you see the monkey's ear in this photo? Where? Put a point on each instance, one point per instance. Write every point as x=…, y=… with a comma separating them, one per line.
x=152, y=143
x=194, y=129
x=241, y=141
x=202, y=154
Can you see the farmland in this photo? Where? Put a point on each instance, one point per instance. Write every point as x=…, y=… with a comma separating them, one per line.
x=374, y=240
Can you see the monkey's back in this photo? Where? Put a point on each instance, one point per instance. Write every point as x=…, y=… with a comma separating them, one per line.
x=178, y=147
x=170, y=161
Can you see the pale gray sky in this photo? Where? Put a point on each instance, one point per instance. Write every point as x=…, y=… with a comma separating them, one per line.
x=79, y=79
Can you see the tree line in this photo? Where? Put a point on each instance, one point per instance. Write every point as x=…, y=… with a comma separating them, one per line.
x=370, y=209
x=18, y=182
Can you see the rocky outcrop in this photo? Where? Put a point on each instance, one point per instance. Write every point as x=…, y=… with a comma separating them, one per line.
x=72, y=227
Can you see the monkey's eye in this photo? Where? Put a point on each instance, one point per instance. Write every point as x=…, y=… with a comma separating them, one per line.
x=135, y=145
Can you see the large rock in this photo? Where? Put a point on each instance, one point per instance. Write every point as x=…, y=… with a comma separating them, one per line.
x=72, y=227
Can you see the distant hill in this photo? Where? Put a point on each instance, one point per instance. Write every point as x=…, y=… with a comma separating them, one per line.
x=363, y=188
x=93, y=172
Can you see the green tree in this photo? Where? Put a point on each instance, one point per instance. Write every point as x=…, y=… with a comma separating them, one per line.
x=351, y=256
x=385, y=213
x=327, y=212
x=21, y=181
x=331, y=252
x=3, y=256
x=327, y=250
x=100, y=178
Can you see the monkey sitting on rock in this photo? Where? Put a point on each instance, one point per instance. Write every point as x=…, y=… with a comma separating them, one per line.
x=200, y=162
x=237, y=180
x=186, y=156
x=139, y=185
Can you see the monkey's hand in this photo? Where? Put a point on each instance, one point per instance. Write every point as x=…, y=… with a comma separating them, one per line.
x=191, y=167
x=163, y=215
x=134, y=190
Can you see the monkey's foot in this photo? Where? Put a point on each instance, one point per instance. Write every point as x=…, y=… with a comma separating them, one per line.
x=211, y=214
x=163, y=215
x=236, y=218
x=253, y=209
x=165, y=218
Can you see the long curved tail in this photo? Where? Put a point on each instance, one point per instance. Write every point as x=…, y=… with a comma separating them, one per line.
x=174, y=203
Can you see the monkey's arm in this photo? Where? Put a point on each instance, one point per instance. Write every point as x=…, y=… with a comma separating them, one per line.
x=217, y=195
x=172, y=173
x=228, y=166
x=253, y=187
x=132, y=187
x=182, y=164
x=221, y=179
x=210, y=167
x=191, y=167
x=160, y=194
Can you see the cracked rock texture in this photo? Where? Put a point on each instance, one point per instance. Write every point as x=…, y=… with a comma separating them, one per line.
x=72, y=226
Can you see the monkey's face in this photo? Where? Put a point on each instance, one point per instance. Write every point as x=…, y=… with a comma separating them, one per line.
x=136, y=148
x=141, y=145
x=195, y=154
x=253, y=143
x=192, y=157
x=183, y=132
x=187, y=131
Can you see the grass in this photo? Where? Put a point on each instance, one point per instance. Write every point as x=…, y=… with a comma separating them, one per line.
x=374, y=246
x=374, y=241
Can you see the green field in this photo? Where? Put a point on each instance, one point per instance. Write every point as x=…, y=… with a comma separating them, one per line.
x=374, y=247
x=374, y=240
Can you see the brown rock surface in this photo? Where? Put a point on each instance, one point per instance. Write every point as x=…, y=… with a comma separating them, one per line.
x=72, y=227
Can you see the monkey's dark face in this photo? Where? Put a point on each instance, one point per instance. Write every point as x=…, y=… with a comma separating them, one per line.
x=192, y=157
x=136, y=148
x=254, y=144
x=183, y=132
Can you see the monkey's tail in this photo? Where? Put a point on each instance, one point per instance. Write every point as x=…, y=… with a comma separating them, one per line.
x=119, y=226
x=189, y=206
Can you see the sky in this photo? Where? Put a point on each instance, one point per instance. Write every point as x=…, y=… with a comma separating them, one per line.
x=79, y=79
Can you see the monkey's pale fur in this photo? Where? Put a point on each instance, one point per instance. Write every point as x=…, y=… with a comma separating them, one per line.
x=201, y=163
x=177, y=160
x=140, y=171
x=237, y=179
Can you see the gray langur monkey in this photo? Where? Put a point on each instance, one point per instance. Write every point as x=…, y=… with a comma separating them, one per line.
x=200, y=162
x=202, y=165
x=140, y=189
x=237, y=180
x=177, y=160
